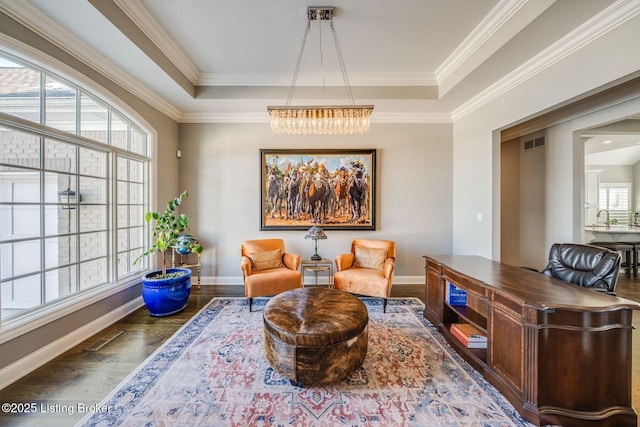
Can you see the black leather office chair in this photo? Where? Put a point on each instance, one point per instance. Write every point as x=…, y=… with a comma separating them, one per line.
x=585, y=265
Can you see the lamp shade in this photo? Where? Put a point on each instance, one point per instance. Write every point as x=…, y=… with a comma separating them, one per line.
x=315, y=233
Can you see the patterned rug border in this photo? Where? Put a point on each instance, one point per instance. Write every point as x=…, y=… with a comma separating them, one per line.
x=150, y=370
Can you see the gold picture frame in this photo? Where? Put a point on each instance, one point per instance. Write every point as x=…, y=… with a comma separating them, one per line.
x=335, y=189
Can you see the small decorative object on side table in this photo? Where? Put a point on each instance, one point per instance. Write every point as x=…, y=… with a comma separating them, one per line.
x=316, y=267
x=180, y=254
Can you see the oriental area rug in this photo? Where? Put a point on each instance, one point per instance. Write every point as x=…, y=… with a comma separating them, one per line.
x=213, y=372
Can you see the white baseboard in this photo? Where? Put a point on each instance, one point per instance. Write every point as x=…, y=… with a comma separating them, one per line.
x=237, y=280
x=24, y=366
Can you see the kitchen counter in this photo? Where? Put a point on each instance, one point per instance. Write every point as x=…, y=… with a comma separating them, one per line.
x=616, y=233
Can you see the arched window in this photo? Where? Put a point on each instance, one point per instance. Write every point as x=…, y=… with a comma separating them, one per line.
x=73, y=191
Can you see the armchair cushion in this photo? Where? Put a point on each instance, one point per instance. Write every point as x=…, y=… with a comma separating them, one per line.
x=266, y=260
x=373, y=258
x=271, y=282
x=363, y=281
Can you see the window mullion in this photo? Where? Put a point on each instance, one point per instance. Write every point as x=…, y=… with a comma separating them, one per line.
x=111, y=203
x=43, y=249
x=42, y=105
x=112, y=242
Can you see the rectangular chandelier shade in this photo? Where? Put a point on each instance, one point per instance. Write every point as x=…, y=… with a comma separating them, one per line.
x=320, y=120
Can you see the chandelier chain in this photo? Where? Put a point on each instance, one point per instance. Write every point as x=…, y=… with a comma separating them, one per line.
x=321, y=56
x=342, y=66
x=297, y=69
x=320, y=119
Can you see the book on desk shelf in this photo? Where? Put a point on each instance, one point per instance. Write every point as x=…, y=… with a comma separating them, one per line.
x=469, y=335
x=455, y=295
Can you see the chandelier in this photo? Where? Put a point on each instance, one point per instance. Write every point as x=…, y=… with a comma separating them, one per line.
x=320, y=119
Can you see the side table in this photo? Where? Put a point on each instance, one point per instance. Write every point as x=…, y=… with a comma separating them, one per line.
x=182, y=260
x=316, y=267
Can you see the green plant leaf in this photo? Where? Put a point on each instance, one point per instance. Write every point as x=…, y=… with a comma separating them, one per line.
x=167, y=228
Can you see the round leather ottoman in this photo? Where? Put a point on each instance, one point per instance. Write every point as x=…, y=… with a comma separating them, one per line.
x=315, y=335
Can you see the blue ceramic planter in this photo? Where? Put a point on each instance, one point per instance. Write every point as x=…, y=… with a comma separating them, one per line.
x=164, y=297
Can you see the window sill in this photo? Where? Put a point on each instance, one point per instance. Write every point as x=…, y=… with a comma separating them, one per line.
x=12, y=329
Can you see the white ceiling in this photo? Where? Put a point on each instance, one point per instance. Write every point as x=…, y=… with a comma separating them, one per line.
x=616, y=143
x=416, y=60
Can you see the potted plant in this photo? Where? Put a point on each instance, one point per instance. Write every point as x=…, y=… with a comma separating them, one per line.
x=166, y=291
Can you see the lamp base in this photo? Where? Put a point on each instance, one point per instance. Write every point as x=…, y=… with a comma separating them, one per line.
x=316, y=257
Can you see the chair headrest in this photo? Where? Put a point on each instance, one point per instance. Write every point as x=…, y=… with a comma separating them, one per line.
x=584, y=265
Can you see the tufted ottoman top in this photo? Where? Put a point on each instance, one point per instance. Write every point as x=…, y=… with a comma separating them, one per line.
x=315, y=316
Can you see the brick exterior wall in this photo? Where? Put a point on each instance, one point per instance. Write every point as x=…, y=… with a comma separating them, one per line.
x=22, y=151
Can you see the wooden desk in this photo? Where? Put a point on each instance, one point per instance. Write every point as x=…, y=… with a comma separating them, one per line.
x=561, y=354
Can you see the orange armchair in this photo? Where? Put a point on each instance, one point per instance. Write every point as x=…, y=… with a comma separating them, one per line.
x=267, y=269
x=368, y=269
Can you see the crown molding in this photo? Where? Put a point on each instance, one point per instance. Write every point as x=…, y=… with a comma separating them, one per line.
x=599, y=25
x=225, y=117
x=315, y=79
x=411, y=118
x=136, y=11
x=257, y=117
x=35, y=20
x=245, y=79
x=152, y=29
x=490, y=25
x=601, y=98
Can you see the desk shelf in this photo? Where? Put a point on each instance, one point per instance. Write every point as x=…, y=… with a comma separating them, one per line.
x=470, y=315
x=476, y=357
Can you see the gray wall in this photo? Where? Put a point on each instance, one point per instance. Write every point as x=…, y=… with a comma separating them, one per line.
x=476, y=178
x=613, y=174
x=221, y=170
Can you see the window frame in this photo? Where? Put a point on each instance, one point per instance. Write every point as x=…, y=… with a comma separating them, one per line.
x=622, y=215
x=46, y=312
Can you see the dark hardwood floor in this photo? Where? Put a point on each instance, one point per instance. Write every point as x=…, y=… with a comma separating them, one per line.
x=58, y=390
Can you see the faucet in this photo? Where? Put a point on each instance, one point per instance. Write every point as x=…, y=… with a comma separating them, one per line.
x=607, y=224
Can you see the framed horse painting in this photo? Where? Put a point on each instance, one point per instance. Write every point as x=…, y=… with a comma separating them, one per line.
x=335, y=189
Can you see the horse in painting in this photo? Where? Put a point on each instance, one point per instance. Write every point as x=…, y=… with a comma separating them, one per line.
x=342, y=192
x=293, y=197
x=317, y=197
x=274, y=195
x=357, y=194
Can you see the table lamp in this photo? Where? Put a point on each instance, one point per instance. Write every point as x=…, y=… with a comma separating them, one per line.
x=315, y=233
